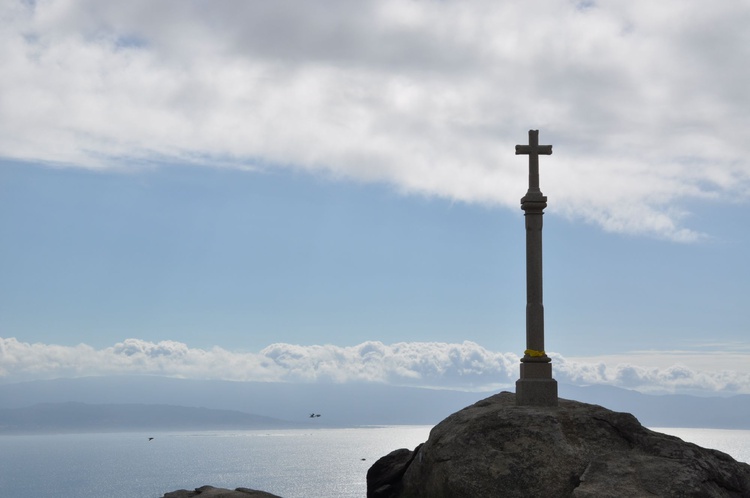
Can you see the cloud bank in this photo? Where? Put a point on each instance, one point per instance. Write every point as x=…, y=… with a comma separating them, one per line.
x=465, y=366
x=645, y=102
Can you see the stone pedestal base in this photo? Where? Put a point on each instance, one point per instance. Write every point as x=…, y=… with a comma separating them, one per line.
x=536, y=392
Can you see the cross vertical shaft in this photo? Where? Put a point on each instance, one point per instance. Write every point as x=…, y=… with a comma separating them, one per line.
x=536, y=385
x=533, y=150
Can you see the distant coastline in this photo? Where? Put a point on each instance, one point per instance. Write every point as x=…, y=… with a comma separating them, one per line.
x=76, y=417
x=162, y=403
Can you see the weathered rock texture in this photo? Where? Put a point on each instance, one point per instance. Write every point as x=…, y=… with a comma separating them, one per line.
x=497, y=449
x=211, y=492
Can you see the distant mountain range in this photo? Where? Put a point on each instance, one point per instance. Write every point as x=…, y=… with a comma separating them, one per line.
x=160, y=403
x=74, y=417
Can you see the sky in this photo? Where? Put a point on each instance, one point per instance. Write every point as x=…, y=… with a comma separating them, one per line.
x=328, y=191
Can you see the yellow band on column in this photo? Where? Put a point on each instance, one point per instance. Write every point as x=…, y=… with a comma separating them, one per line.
x=533, y=352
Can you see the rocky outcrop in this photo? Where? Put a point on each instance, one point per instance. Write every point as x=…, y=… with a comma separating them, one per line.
x=497, y=449
x=211, y=492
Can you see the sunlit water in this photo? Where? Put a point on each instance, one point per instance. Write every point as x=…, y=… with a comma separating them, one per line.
x=330, y=463
x=291, y=463
x=735, y=443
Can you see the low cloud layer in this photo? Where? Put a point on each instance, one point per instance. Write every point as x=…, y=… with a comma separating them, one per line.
x=645, y=102
x=466, y=366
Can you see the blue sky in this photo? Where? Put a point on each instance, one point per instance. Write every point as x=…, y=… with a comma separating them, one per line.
x=181, y=183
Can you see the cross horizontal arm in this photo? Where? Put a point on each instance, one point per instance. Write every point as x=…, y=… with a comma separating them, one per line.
x=545, y=150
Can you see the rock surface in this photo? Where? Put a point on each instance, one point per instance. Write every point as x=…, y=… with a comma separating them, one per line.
x=495, y=448
x=212, y=492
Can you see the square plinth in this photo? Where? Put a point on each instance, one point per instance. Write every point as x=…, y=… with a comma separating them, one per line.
x=536, y=370
x=536, y=392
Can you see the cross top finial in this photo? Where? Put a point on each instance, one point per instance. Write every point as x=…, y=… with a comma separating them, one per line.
x=533, y=150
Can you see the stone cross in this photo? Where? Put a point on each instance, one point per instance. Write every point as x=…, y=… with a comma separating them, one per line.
x=536, y=386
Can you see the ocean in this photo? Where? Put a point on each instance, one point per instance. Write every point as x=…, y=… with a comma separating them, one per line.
x=311, y=463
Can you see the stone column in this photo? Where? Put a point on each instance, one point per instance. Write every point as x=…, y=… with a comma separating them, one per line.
x=536, y=386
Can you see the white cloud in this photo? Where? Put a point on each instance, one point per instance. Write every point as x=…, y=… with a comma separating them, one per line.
x=645, y=102
x=466, y=366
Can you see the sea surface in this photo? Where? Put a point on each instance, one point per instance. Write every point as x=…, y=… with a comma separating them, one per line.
x=310, y=463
